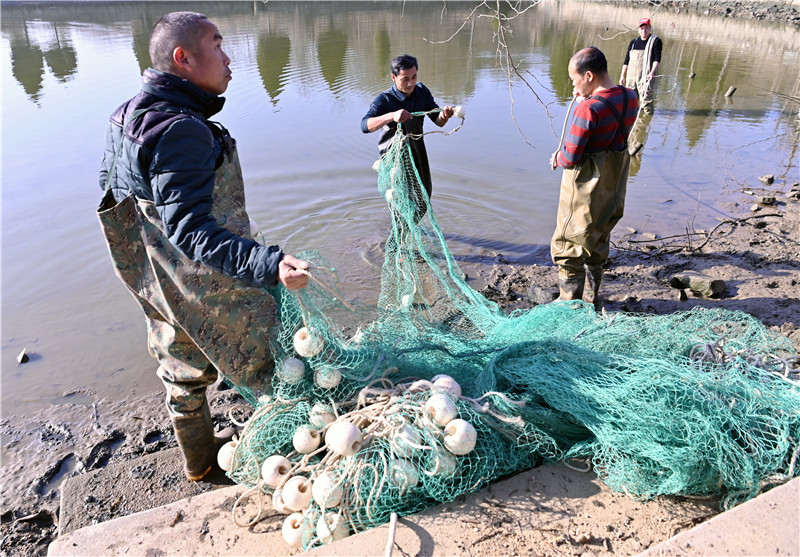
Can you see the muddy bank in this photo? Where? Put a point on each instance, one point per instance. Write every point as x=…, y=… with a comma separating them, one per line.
x=755, y=254
x=84, y=434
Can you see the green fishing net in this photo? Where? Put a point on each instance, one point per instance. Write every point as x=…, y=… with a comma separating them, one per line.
x=436, y=392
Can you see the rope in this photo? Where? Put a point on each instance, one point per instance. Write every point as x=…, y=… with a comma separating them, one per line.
x=243, y=497
x=554, y=164
x=434, y=111
x=328, y=288
x=588, y=467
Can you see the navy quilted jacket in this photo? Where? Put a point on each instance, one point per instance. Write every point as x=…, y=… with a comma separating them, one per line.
x=169, y=155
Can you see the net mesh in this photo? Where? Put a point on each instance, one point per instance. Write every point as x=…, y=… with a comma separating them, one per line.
x=694, y=403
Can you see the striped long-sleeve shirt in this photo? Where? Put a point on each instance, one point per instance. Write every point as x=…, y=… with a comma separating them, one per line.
x=594, y=126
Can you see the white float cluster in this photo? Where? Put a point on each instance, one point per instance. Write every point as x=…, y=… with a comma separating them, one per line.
x=309, y=343
x=318, y=486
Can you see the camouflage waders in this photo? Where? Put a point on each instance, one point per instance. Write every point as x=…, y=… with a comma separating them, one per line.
x=199, y=321
x=591, y=202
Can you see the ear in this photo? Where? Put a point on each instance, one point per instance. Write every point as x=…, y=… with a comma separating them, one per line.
x=589, y=75
x=180, y=59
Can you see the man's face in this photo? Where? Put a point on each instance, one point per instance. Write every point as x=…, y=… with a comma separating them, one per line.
x=406, y=80
x=644, y=32
x=210, y=69
x=581, y=84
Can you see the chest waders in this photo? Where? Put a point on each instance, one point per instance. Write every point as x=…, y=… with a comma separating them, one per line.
x=199, y=321
x=591, y=202
x=639, y=66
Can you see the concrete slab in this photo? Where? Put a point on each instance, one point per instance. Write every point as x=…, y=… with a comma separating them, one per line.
x=128, y=487
x=199, y=525
x=552, y=509
x=766, y=525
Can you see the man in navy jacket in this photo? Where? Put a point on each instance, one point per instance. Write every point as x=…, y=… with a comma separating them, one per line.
x=393, y=108
x=180, y=238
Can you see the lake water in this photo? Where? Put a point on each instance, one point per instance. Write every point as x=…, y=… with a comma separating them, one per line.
x=303, y=76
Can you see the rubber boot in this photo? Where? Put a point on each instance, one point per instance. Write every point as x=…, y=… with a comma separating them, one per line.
x=195, y=435
x=427, y=292
x=596, y=274
x=570, y=287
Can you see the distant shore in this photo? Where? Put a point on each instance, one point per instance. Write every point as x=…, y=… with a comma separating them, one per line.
x=770, y=10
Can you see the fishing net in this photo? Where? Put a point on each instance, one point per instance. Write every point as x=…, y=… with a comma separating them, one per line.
x=436, y=392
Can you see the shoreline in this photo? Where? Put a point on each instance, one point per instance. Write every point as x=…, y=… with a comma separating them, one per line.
x=770, y=10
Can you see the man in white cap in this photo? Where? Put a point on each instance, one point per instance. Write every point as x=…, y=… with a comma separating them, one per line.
x=641, y=64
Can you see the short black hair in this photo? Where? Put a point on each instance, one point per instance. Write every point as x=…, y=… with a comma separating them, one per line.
x=172, y=30
x=590, y=59
x=403, y=62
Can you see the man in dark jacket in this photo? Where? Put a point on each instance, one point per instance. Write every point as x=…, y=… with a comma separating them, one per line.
x=179, y=236
x=394, y=107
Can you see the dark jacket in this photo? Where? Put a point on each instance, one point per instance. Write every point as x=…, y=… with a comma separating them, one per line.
x=169, y=155
x=391, y=100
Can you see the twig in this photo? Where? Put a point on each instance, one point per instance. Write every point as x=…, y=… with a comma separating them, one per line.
x=178, y=517
x=734, y=221
x=486, y=537
x=688, y=234
x=392, y=531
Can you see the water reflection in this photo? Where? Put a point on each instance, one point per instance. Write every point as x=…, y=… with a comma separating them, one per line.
x=27, y=66
x=383, y=48
x=140, y=31
x=273, y=59
x=331, y=49
x=696, y=75
x=61, y=57
x=638, y=139
x=34, y=45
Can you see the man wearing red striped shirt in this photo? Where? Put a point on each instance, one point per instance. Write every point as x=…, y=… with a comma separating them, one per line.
x=595, y=160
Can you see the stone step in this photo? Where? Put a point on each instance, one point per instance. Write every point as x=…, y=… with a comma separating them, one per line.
x=552, y=502
x=127, y=487
x=766, y=525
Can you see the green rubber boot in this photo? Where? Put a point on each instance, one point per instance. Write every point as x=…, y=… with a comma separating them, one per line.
x=596, y=275
x=195, y=435
x=570, y=287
